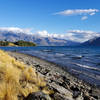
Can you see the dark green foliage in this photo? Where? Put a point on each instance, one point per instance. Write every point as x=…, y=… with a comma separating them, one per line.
x=24, y=43
x=18, y=43
x=4, y=43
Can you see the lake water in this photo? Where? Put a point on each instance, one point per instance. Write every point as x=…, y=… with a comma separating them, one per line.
x=81, y=61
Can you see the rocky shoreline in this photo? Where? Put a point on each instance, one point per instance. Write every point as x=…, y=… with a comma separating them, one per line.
x=64, y=85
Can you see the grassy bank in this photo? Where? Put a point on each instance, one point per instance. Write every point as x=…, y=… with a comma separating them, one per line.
x=18, y=80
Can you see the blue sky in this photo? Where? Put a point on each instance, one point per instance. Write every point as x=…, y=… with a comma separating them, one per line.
x=46, y=15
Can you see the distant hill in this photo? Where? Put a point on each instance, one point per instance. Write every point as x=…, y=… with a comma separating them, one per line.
x=40, y=41
x=92, y=42
x=17, y=43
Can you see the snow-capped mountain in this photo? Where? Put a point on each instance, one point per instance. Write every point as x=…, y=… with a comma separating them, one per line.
x=41, y=41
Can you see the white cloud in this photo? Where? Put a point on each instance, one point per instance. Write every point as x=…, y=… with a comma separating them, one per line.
x=84, y=18
x=82, y=12
x=78, y=12
x=81, y=35
x=16, y=30
x=81, y=32
x=92, y=14
x=74, y=35
x=43, y=33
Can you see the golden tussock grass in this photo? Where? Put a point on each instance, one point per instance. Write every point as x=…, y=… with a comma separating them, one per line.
x=17, y=79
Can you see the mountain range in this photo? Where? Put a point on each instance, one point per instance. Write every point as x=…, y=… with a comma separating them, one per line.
x=92, y=42
x=44, y=41
x=40, y=41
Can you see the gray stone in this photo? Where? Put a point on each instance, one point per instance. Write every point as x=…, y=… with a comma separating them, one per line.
x=37, y=96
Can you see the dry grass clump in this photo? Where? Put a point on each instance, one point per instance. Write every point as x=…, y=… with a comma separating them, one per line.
x=17, y=79
x=11, y=44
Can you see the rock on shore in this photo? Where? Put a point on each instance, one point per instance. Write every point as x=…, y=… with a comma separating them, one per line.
x=64, y=85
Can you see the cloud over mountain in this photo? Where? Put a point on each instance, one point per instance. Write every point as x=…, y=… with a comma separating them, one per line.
x=15, y=30
x=72, y=35
x=81, y=35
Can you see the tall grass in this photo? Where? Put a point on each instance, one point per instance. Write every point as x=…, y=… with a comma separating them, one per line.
x=17, y=79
